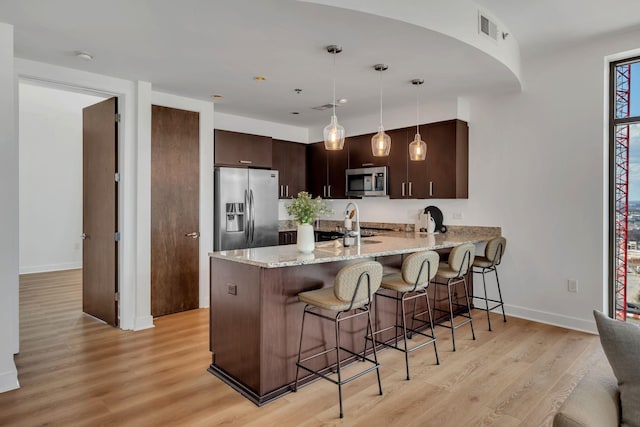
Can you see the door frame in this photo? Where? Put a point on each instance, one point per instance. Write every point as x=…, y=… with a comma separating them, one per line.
x=134, y=159
x=76, y=81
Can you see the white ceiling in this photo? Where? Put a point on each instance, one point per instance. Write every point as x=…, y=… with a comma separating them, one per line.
x=196, y=48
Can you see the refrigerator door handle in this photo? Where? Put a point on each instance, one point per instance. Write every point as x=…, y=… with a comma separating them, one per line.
x=246, y=216
x=253, y=214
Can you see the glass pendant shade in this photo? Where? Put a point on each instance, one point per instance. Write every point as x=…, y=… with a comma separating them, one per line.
x=417, y=149
x=380, y=143
x=333, y=135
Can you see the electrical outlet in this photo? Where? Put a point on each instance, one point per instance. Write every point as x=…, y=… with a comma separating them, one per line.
x=572, y=285
x=458, y=215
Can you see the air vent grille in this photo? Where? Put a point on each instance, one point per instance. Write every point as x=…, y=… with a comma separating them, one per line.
x=487, y=27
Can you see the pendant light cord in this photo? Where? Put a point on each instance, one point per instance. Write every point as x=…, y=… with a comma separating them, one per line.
x=334, y=83
x=381, y=70
x=417, y=109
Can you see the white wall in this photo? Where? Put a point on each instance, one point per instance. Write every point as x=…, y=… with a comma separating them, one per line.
x=50, y=140
x=9, y=336
x=262, y=127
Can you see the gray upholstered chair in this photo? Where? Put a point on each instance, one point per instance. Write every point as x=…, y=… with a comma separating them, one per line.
x=450, y=274
x=351, y=296
x=409, y=285
x=493, y=253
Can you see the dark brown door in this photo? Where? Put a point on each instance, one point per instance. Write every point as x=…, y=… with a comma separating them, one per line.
x=174, y=210
x=100, y=210
x=360, y=154
x=337, y=164
x=242, y=149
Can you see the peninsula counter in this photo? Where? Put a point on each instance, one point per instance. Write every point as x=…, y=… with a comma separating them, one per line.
x=255, y=313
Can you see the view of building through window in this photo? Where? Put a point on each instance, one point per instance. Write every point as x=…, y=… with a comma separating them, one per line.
x=626, y=141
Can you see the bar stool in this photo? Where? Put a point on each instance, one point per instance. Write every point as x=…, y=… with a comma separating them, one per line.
x=410, y=284
x=484, y=264
x=450, y=274
x=350, y=297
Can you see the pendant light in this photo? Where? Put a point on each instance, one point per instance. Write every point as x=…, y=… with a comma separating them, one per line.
x=417, y=148
x=380, y=142
x=334, y=133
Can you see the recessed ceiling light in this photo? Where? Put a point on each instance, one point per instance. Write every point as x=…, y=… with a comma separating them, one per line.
x=216, y=96
x=260, y=78
x=84, y=56
x=343, y=101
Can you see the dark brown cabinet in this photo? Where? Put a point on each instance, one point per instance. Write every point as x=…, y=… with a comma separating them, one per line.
x=447, y=174
x=360, y=154
x=326, y=171
x=289, y=158
x=242, y=149
x=287, y=237
x=443, y=175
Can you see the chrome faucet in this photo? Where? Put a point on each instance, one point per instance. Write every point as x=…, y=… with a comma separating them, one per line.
x=356, y=231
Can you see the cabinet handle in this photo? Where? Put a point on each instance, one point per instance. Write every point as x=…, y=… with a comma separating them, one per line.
x=410, y=189
x=281, y=192
x=246, y=162
x=403, y=189
x=329, y=191
x=324, y=191
x=430, y=188
x=367, y=164
x=286, y=190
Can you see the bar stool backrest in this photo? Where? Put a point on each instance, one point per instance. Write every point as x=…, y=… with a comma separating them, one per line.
x=420, y=267
x=461, y=258
x=495, y=249
x=356, y=283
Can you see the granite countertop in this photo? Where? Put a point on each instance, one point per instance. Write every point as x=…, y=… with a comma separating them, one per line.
x=381, y=245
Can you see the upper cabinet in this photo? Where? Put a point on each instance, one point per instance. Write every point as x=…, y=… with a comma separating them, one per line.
x=289, y=158
x=447, y=159
x=444, y=174
x=326, y=171
x=360, y=154
x=242, y=149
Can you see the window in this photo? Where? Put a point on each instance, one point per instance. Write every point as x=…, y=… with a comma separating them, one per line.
x=625, y=188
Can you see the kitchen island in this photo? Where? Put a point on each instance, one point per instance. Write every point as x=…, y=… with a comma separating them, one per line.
x=256, y=316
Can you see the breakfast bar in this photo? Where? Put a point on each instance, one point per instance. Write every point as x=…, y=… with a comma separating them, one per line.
x=255, y=313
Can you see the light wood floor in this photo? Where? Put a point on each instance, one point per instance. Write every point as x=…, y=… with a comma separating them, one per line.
x=77, y=371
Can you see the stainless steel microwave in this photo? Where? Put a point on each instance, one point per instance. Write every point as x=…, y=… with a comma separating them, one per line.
x=367, y=182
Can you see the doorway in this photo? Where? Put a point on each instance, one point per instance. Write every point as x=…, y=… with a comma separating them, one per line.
x=51, y=176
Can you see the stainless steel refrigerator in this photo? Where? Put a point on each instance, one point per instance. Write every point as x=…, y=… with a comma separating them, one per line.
x=246, y=208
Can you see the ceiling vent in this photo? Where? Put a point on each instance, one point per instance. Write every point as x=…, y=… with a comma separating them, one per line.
x=324, y=107
x=487, y=27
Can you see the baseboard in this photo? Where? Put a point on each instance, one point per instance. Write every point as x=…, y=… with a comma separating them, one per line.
x=9, y=379
x=554, y=319
x=51, y=267
x=143, y=322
